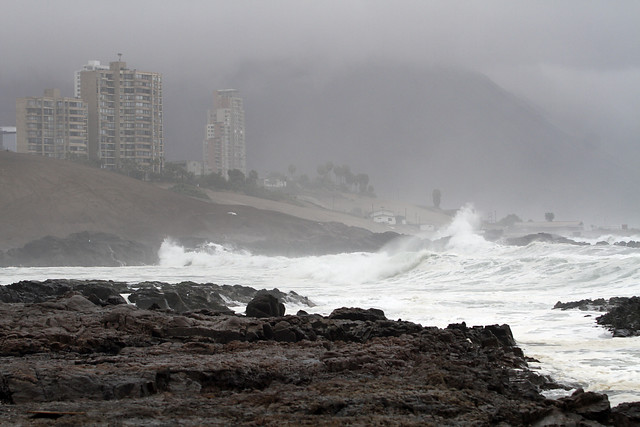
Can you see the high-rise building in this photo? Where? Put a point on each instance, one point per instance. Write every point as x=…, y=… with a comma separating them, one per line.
x=125, y=119
x=51, y=126
x=89, y=66
x=224, y=148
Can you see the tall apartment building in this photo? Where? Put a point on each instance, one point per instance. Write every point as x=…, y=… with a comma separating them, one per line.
x=51, y=126
x=224, y=147
x=91, y=65
x=125, y=119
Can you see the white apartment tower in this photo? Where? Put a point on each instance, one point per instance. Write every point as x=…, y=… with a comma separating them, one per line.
x=224, y=148
x=125, y=119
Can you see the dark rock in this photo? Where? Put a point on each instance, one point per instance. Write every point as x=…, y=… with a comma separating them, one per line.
x=147, y=297
x=105, y=364
x=624, y=318
x=541, y=237
x=492, y=335
x=590, y=405
x=502, y=333
x=86, y=249
x=181, y=297
x=370, y=314
x=599, y=304
x=265, y=305
x=629, y=244
x=101, y=293
x=29, y=291
x=626, y=414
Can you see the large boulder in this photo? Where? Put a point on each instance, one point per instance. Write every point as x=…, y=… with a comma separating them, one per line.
x=265, y=305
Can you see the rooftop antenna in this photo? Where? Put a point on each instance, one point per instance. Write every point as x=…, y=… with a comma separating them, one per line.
x=119, y=57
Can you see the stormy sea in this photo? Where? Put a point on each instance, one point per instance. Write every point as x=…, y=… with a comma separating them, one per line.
x=467, y=280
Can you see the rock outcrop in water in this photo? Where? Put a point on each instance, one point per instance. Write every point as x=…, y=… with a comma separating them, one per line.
x=179, y=297
x=85, y=249
x=622, y=317
x=541, y=237
x=69, y=360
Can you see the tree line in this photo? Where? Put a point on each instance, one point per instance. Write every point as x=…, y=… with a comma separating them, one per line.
x=334, y=178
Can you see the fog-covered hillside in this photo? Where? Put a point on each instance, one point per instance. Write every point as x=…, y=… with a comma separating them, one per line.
x=413, y=129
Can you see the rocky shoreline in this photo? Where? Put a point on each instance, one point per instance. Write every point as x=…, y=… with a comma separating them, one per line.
x=622, y=315
x=78, y=356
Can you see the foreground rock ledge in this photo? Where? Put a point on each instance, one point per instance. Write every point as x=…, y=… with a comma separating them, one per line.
x=73, y=362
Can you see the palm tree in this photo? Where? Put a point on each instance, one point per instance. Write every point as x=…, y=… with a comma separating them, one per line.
x=436, y=196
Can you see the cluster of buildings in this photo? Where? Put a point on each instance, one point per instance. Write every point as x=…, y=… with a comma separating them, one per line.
x=116, y=118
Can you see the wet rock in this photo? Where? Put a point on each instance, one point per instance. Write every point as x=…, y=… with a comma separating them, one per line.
x=590, y=405
x=29, y=291
x=541, y=237
x=148, y=297
x=113, y=362
x=357, y=314
x=181, y=297
x=599, y=304
x=624, y=318
x=265, y=305
x=626, y=414
x=629, y=244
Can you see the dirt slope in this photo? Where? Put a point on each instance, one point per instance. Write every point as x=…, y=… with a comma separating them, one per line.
x=41, y=196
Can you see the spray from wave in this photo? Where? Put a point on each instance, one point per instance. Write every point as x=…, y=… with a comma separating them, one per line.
x=396, y=259
x=463, y=231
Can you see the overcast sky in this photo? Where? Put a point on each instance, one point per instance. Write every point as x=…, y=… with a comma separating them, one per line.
x=565, y=54
x=577, y=60
x=574, y=57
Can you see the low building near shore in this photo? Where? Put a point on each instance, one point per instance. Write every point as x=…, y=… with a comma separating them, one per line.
x=8, y=138
x=384, y=217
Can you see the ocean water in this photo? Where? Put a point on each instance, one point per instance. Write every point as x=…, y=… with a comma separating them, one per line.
x=470, y=280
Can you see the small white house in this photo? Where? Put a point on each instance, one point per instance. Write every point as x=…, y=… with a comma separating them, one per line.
x=274, y=183
x=384, y=217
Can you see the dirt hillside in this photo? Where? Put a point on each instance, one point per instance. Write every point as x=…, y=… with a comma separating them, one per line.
x=41, y=196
